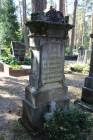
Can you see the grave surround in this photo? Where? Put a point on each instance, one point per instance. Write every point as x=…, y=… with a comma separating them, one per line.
x=49, y=34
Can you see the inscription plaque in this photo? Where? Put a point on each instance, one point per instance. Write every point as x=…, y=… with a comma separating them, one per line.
x=18, y=49
x=52, y=63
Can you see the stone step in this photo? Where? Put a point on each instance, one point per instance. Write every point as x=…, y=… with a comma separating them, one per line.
x=89, y=82
x=87, y=95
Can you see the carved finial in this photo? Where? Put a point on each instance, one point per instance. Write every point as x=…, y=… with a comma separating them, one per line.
x=48, y=9
x=51, y=8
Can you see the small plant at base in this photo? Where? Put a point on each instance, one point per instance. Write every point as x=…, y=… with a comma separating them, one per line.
x=16, y=67
x=2, y=136
x=9, y=60
x=4, y=53
x=28, y=61
x=71, y=124
x=79, y=67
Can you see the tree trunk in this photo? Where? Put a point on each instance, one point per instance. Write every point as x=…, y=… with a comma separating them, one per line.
x=0, y=15
x=38, y=5
x=65, y=7
x=62, y=6
x=83, y=25
x=0, y=7
x=83, y=28
x=71, y=47
x=20, y=12
x=90, y=46
x=75, y=31
x=24, y=26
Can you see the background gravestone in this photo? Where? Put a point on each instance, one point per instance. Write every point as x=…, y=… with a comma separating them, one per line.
x=81, y=54
x=18, y=50
x=87, y=90
x=49, y=33
x=87, y=57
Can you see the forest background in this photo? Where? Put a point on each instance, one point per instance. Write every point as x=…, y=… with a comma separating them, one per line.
x=13, y=14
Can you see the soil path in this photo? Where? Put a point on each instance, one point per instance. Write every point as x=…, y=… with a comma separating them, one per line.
x=12, y=91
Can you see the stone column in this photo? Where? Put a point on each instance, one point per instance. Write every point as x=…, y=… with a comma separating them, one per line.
x=49, y=33
x=87, y=90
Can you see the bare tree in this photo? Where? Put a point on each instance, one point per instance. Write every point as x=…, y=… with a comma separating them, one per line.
x=38, y=5
x=71, y=47
x=24, y=26
x=65, y=7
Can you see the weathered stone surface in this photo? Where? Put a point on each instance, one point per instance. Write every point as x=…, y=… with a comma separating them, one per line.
x=51, y=24
x=81, y=54
x=43, y=96
x=87, y=90
x=52, y=15
x=18, y=49
x=87, y=57
x=48, y=36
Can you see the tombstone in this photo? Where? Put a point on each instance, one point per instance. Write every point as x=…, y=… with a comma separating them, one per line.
x=81, y=54
x=18, y=50
x=87, y=57
x=49, y=33
x=87, y=90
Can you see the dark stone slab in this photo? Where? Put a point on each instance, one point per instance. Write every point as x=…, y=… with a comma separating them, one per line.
x=71, y=57
x=87, y=95
x=18, y=49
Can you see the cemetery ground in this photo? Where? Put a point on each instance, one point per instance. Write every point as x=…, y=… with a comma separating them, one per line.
x=12, y=92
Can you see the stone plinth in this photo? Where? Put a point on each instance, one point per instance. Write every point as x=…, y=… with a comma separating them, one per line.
x=49, y=33
x=87, y=90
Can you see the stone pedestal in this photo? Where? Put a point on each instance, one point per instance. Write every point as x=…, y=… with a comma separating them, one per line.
x=49, y=33
x=87, y=90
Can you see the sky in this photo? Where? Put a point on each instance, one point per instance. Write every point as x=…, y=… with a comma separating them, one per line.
x=70, y=5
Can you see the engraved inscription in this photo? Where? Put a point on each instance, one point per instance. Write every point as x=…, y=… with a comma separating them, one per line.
x=52, y=64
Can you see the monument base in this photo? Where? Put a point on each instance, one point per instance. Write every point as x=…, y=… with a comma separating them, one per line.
x=87, y=90
x=35, y=108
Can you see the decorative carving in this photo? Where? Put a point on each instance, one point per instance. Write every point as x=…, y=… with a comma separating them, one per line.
x=52, y=16
x=48, y=23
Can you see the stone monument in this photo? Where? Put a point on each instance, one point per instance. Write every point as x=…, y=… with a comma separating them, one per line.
x=49, y=33
x=87, y=90
x=87, y=57
x=18, y=50
x=81, y=54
